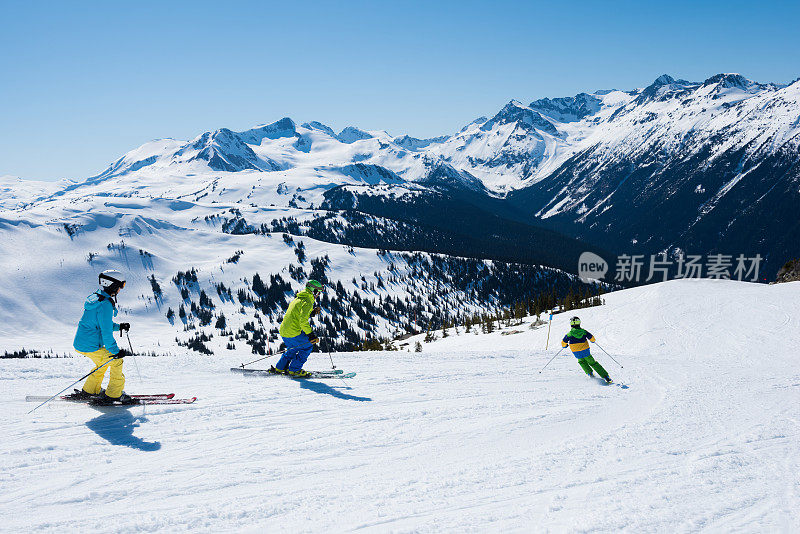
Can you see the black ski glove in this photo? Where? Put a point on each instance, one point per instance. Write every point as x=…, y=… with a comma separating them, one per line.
x=313, y=339
x=124, y=327
x=121, y=354
x=315, y=311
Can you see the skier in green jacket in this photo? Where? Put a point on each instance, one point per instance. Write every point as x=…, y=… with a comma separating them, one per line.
x=296, y=331
x=578, y=341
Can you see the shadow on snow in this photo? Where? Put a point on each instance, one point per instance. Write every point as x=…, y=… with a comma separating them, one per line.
x=117, y=426
x=321, y=387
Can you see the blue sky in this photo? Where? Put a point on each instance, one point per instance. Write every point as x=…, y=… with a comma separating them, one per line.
x=82, y=83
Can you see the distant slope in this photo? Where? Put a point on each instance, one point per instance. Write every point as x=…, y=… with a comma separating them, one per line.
x=206, y=283
x=16, y=192
x=460, y=223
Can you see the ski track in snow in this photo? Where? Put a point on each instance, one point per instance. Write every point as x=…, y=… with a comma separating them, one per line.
x=467, y=436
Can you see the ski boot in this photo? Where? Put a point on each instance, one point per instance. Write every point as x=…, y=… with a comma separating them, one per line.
x=608, y=380
x=275, y=371
x=126, y=399
x=105, y=400
x=300, y=373
x=79, y=394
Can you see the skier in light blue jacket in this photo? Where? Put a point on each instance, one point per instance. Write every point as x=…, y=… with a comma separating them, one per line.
x=95, y=340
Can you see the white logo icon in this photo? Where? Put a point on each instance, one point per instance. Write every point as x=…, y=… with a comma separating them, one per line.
x=591, y=267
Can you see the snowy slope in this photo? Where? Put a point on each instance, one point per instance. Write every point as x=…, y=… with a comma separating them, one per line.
x=465, y=436
x=49, y=263
x=701, y=167
x=16, y=192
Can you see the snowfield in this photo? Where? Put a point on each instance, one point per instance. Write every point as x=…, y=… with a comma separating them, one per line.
x=466, y=436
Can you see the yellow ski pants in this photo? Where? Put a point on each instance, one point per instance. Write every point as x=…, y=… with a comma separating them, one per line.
x=116, y=380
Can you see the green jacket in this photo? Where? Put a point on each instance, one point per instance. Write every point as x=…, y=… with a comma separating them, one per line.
x=296, y=318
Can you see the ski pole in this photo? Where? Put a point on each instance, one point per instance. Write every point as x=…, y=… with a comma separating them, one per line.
x=551, y=359
x=69, y=386
x=547, y=344
x=331, y=357
x=135, y=363
x=334, y=368
x=610, y=356
x=264, y=358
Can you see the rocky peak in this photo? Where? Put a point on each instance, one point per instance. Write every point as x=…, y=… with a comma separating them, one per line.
x=351, y=134
x=568, y=109
x=729, y=80
x=524, y=116
x=282, y=128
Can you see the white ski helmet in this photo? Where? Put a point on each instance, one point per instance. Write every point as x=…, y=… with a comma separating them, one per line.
x=111, y=280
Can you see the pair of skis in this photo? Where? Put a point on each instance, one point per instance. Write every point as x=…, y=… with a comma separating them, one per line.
x=336, y=373
x=156, y=398
x=169, y=398
x=603, y=382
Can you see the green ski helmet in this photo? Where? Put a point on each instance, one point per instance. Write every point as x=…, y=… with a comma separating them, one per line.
x=314, y=286
x=575, y=321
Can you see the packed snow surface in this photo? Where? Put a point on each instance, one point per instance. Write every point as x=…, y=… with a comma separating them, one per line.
x=467, y=435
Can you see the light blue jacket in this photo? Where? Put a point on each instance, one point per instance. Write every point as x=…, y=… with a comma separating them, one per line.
x=96, y=327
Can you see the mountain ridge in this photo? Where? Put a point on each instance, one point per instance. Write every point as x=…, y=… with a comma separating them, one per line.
x=663, y=168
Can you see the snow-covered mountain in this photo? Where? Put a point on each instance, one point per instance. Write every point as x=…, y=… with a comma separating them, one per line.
x=702, y=167
x=217, y=233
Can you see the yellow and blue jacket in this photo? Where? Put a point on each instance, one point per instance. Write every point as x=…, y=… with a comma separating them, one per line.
x=578, y=340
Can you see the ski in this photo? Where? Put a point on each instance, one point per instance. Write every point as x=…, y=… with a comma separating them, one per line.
x=158, y=401
x=602, y=382
x=320, y=375
x=67, y=398
x=247, y=370
x=138, y=401
x=313, y=374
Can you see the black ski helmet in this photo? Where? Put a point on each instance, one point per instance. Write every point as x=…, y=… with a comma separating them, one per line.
x=575, y=321
x=111, y=280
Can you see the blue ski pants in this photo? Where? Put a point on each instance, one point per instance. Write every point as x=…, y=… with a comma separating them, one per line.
x=297, y=350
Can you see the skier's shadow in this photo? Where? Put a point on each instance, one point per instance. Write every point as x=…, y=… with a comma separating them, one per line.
x=117, y=426
x=321, y=387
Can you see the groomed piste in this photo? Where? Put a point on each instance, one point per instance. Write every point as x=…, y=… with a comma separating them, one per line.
x=464, y=436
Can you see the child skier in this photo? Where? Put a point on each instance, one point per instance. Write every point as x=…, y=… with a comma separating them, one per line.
x=296, y=332
x=578, y=341
x=95, y=340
